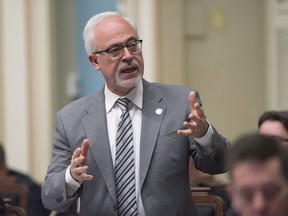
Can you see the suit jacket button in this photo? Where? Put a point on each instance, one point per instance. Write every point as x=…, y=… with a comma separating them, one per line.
x=114, y=207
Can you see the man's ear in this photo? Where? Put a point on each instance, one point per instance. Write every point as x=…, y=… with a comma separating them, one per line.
x=93, y=59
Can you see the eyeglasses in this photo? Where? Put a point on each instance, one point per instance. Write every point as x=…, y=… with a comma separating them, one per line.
x=116, y=51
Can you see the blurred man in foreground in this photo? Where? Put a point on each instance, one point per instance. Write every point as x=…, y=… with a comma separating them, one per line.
x=258, y=167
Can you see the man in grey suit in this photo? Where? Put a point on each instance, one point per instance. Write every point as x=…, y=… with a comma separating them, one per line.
x=169, y=126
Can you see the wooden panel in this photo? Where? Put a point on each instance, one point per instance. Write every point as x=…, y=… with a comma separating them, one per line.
x=214, y=205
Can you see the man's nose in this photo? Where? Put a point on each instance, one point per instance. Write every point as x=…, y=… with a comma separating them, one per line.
x=259, y=202
x=126, y=54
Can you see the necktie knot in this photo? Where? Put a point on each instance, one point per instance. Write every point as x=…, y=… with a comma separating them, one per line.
x=123, y=103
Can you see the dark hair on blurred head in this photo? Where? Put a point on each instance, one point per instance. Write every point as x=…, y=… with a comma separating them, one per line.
x=256, y=147
x=2, y=154
x=281, y=116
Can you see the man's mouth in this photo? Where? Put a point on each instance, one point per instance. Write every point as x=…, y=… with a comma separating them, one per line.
x=129, y=70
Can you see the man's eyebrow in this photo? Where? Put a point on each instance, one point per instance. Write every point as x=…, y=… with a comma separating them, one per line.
x=121, y=44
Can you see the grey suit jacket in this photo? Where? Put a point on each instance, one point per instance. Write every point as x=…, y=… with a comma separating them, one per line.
x=164, y=156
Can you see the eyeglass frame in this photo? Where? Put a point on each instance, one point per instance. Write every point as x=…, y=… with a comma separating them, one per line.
x=122, y=48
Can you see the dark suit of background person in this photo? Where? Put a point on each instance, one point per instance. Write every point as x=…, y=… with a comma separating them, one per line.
x=2, y=207
x=35, y=205
x=164, y=150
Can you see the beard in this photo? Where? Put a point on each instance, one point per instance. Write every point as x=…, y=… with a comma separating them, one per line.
x=129, y=75
x=128, y=83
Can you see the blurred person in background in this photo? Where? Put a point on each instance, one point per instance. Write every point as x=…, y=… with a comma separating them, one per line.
x=35, y=205
x=274, y=123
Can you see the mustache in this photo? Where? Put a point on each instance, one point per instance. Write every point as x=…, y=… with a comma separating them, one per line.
x=129, y=65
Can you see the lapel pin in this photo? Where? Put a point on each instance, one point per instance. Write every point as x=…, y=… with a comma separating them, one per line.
x=158, y=111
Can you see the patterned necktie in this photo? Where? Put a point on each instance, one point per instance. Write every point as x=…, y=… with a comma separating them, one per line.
x=124, y=163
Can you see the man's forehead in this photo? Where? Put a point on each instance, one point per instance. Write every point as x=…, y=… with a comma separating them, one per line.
x=253, y=171
x=113, y=22
x=114, y=32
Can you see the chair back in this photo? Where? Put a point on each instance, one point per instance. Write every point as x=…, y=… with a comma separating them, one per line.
x=12, y=210
x=207, y=204
x=14, y=193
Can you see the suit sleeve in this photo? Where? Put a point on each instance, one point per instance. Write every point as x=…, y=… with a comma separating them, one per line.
x=214, y=162
x=54, y=194
x=210, y=159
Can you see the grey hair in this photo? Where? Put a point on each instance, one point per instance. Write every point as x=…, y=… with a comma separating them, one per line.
x=89, y=30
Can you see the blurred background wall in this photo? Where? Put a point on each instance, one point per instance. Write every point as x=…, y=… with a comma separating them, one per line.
x=234, y=52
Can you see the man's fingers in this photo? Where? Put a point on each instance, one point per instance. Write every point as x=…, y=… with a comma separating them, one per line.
x=85, y=147
x=192, y=99
x=196, y=109
x=186, y=132
x=199, y=110
x=81, y=170
x=76, y=153
x=80, y=173
x=78, y=169
x=76, y=162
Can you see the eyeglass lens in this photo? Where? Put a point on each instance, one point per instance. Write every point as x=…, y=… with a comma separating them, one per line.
x=134, y=47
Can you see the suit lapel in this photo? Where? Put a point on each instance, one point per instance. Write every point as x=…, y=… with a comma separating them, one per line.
x=95, y=125
x=152, y=115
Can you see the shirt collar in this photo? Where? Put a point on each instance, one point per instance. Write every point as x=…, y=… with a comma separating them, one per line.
x=135, y=96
